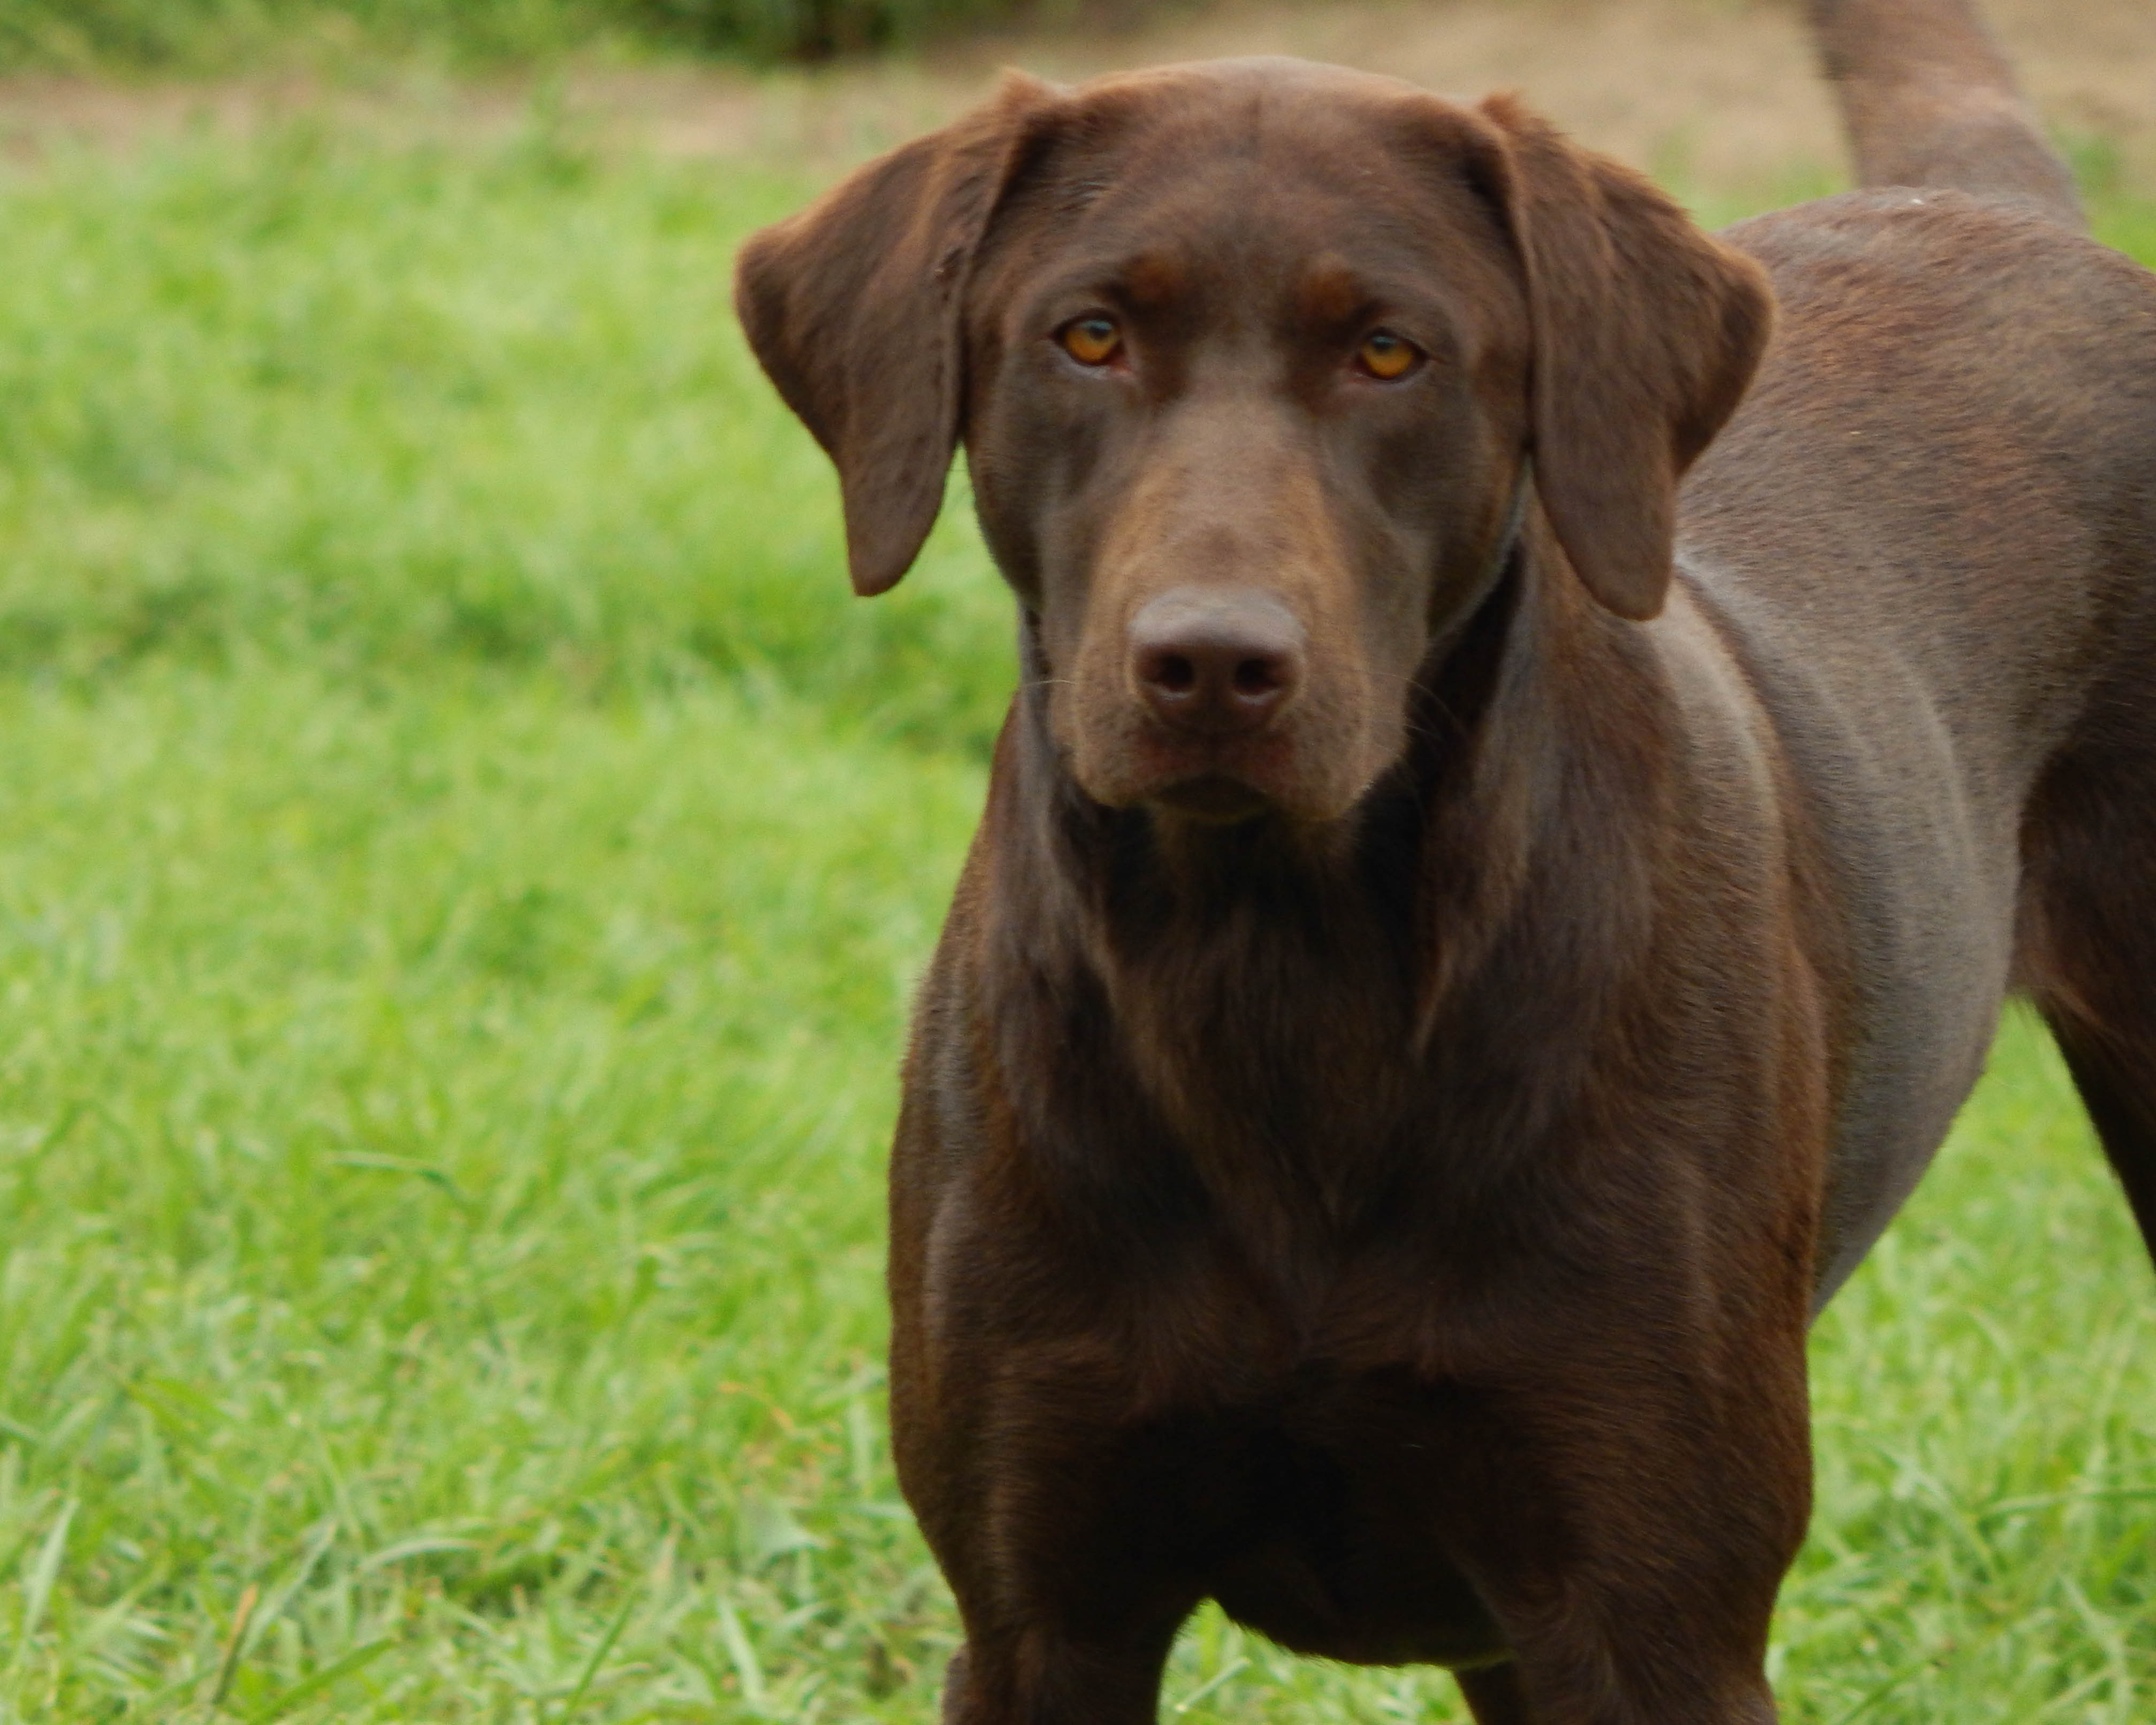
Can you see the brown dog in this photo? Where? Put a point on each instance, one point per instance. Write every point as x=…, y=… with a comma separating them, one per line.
x=1469, y=943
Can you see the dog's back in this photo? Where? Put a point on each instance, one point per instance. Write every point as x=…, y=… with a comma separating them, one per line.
x=1933, y=527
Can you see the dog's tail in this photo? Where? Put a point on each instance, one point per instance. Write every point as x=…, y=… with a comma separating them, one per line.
x=1929, y=99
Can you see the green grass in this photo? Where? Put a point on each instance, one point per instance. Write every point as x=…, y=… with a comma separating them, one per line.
x=377, y=411
x=166, y=36
x=462, y=860
x=441, y=1129
x=225, y=35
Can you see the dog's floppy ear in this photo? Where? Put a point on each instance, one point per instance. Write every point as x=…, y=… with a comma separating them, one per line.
x=1646, y=333
x=853, y=309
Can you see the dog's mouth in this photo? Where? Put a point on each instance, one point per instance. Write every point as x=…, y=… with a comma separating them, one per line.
x=1226, y=781
x=1218, y=799
x=1303, y=766
x=1209, y=777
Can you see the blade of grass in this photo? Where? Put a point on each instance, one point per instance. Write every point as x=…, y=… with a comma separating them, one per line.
x=576, y=1697
x=288, y=1701
x=235, y=1648
x=37, y=1584
x=742, y=1652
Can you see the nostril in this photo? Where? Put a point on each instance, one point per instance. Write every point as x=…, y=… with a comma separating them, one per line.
x=1172, y=673
x=1257, y=679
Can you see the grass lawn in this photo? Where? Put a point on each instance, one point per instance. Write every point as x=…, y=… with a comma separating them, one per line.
x=463, y=857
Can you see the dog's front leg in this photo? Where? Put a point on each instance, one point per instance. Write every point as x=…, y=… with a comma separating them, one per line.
x=1607, y=1667
x=1624, y=1494
x=1050, y=1675
x=1629, y=1531
x=1497, y=1695
x=1066, y=1540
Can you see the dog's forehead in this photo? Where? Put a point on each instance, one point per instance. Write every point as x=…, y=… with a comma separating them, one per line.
x=1265, y=80
x=1254, y=165
x=1211, y=112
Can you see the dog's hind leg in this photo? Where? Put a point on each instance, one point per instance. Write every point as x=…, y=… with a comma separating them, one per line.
x=2116, y=1078
x=2089, y=948
x=1929, y=99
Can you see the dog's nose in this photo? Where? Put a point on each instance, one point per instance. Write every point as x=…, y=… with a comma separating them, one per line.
x=1221, y=662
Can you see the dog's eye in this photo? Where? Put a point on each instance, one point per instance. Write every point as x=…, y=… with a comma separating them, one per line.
x=1385, y=355
x=1092, y=341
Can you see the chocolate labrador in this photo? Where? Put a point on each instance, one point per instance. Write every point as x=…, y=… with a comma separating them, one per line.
x=1545, y=739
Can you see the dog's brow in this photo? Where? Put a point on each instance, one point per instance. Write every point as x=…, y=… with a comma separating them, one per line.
x=1141, y=283
x=1331, y=293
x=1152, y=281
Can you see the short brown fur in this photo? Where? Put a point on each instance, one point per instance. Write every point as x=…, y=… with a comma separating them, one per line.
x=1497, y=877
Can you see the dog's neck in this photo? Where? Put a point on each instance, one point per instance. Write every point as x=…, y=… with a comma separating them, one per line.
x=1286, y=995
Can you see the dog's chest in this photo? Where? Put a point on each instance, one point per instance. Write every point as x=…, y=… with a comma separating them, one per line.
x=1283, y=1077
x=1318, y=1500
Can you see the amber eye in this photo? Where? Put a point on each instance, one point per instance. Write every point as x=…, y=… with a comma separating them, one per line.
x=1385, y=355
x=1092, y=341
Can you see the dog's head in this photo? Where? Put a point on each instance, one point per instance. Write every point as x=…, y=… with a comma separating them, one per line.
x=1248, y=358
